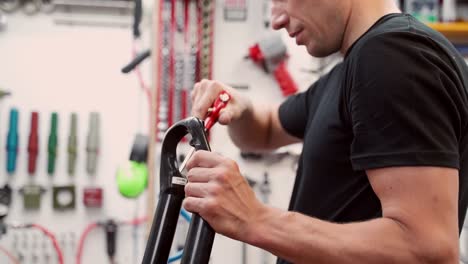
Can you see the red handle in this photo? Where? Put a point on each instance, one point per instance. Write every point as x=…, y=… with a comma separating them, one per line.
x=220, y=103
x=284, y=79
x=255, y=53
x=33, y=143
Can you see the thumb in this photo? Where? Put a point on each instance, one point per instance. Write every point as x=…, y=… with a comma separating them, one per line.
x=225, y=117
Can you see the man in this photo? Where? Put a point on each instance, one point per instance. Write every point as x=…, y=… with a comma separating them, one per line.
x=383, y=173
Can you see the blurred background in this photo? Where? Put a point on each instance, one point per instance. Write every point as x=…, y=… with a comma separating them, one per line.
x=88, y=89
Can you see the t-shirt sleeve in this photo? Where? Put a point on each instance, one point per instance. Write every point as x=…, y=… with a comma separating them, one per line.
x=294, y=112
x=401, y=105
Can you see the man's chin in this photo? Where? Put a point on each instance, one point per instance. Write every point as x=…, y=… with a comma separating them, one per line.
x=318, y=52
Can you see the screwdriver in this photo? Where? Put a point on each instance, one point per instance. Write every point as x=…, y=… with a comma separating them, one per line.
x=213, y=115
x=33, y=143
x=12, y=141
x=92, y=143
x=52, y=144
x=4, y=93
x=72, y=144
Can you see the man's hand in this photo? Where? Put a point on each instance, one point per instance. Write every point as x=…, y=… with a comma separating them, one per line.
x=206, y=92
x=220, y=194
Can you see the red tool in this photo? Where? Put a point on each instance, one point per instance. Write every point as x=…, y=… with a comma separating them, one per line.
x=271, y=54
x=213, y=115
x=93, y=197
x=33, y=144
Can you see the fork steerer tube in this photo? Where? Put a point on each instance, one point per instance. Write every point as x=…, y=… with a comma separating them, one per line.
x=200, y=235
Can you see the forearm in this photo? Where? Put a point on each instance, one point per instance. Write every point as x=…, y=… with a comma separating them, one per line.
x=259, y=129
x=301, y=239
x=252, y=131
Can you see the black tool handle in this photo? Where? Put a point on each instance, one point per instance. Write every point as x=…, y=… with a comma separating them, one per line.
x=136, y=61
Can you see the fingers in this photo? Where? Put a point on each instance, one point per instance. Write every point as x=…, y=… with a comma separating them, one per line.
x=204, y=159
x=203, y=96
x=202, y=206
x=200, y=175
x=195, y=91
x=196, y=190
x=202, y=190
x=225, y=117
x=193, y=204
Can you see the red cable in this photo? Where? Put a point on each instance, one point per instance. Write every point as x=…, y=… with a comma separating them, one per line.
x=9, y=255
x=212, y=11
x=53, y=239
x=173, y=29
x=185, y=90
x=85, y=233
x=199, y=41
x=136, y=221
x=141, y=81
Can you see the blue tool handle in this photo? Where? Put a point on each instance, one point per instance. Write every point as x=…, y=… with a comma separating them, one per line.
x=12, y=141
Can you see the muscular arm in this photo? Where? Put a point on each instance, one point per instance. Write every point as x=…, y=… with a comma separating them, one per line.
x=419, y=224
x=259, y=129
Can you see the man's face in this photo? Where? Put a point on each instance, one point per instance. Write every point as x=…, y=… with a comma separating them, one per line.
x=317, y=24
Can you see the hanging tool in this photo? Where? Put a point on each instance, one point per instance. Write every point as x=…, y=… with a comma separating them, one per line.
x=3, y=22
x=12, y=141
x=72, y=144
x=111, y=228
x=266, y=13
x=206, y=13
x=52, y=144
x=235, y=10
x=32, y=195
x=271, y=54
x=136, y=61
x=200, y=235
x=5, y=201
x=93, y=197
x=132, y=178
x=64, y=197
x=4, y=93
x=32, y=7
x=92, y=143
x=265, y=192
x=48, y=6
x=9, y=5
x=33, y=143
x=111, y=239
x=45, y=232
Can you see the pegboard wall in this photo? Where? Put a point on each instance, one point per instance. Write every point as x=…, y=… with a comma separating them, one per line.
x=64, y=69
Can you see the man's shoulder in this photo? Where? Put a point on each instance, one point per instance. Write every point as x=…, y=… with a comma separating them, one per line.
x=402, y=33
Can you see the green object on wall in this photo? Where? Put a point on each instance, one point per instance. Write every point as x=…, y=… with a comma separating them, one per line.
x=132, y=179
x=72, y=144
x=52, y=144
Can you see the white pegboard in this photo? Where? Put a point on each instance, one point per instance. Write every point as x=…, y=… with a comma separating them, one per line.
x=77, y=69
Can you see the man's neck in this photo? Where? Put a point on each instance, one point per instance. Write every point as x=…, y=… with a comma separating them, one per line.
x=363, y=15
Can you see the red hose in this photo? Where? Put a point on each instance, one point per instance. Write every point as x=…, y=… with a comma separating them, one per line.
x=85, y=233
x=9, y=255
x=139, y=75
x=136, y=221
x=53, y=239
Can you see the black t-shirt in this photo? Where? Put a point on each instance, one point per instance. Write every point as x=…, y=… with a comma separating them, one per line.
x=399, y=98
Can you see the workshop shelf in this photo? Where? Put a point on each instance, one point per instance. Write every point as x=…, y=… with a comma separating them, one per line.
x=457, y=32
